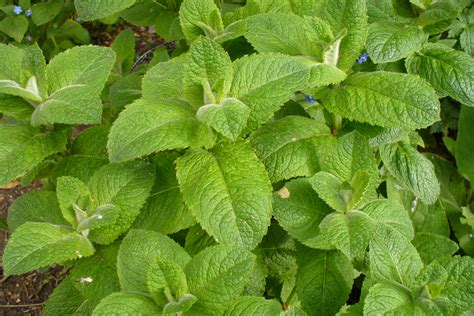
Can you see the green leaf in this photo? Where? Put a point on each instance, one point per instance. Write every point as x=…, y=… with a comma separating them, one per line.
x=78, y=166
x=412, y=170
x=104, y=216
x=35, y=206
x=439, y=15
x=324, y=280
x=265, y=81
x=330, y=190
x=182, y=305
x=89, y=10
x=289, y=147
x=348, y=15
x=349, y=232
x=392, y=257
x=430, y=218
x=449, y=71
x=228, y=118
x=124, y=47
x=166, y=275
x=127, y=304
x=75, y=79
x=390, y=41
x=42, y=13
x=137, y=253
x=207, y=72
x=90, y=280
x=197, y=239
x=432, y=246
x=200, y=17
x=465, y=144
x=21, y=149
x=457, y=288
x=228, y=191
x=145, y=127
x=299, y=211
x=252, y=305
x=165, y=211
x=216, y=276
x=14, y=26
x=164, y=82
x=13, y=88
x=386, y=99
x=351, y=154
x=384, y=298
x=36, y=245
x=288, y=34
x=72, y=194
x=126, y=186
x=15, y=107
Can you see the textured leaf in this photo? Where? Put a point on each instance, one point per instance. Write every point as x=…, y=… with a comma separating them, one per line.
x=393, y=258
x=125, y=90
x=348, y=15
x=197, y=239
x=42, y=13
x=164, y=81
x=14, y=26
x=228, y=118
x=124, y=48
x=265, y=81
x=289, y=147
x=439, y=15
x=164, y=273
x=251, y=305
x=432, y=246
x=36, y=245
x=75, y=79
x=430, y=219
x=125, y=186
x=228, y=191
x=90, y=280
x=165, y=211
x=350, y=232
x=449, y=71
x=288, y=34
x=15, y=107
x=127, y=304
x=300, y=212
x=324, y=280
x=465, y=144
x=200, y=17
x=330, y=190
x=89, y=10
x=182, y=305
x=458, y=287
x=207, y=72
x=72, y=193
x=389, y=41
x=216, y=276
x=145, y=127
x=137, y=253
x=103, y=217
x=412, y=170
x=351, y=154
x=21, y=149
x=385, y=99
x=36, y=206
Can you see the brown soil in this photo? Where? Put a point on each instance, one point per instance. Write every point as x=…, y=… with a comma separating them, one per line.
x=23, y=294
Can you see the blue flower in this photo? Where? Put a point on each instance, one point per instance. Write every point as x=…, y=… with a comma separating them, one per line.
x=17, y=9
x=363, y=58
x=28, y=13
x=309, y=99
x=78, y=19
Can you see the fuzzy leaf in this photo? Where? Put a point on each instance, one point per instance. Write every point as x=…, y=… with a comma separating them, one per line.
x=89, y=10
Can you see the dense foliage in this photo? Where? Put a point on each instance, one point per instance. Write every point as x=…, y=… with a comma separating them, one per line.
x=288, y=157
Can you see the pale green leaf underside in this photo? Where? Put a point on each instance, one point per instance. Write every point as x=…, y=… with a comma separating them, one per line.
x=36, y=245
x=228, y=191
x=385, y=99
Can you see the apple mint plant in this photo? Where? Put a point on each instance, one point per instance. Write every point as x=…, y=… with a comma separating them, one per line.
x=279, y=163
